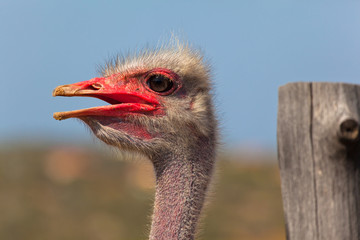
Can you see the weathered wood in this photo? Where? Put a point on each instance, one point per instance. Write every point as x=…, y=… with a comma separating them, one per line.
x=319, y=159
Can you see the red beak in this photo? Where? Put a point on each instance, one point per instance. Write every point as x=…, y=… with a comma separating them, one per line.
x=124, y=98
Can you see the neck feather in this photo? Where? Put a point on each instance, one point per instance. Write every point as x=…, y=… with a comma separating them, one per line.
x=181, y=184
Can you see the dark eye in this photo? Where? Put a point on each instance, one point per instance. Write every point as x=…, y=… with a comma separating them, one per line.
x=160, y=83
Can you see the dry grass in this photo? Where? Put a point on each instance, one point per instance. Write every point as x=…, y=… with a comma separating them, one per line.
x=64, y=193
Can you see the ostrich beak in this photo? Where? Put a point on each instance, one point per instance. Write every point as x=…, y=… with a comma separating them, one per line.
x=123, y=98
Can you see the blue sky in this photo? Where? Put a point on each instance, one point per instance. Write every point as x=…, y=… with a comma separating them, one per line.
x=254, y=46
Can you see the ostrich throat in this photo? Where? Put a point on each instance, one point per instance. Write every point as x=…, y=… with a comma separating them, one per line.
x=182, y=180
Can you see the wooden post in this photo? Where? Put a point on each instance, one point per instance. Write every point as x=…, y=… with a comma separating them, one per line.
x=319, y=158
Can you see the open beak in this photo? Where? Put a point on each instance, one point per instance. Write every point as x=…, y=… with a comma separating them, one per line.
x=123, y=99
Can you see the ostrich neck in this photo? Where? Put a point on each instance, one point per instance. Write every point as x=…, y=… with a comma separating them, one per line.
x=181, y=184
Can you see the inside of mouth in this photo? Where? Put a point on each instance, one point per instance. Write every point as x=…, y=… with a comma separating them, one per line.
x=109, y=100
x=116, y=99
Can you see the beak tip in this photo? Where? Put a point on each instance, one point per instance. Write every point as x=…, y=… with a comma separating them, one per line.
x=57, y=116
x=59, y=91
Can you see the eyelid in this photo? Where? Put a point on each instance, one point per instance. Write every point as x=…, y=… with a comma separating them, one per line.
x=163, y=71
x=159, y=74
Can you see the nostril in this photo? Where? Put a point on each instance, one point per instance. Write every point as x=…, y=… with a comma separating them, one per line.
x=95, y=86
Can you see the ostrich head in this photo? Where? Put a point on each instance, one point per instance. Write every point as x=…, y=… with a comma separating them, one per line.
x=160, y=105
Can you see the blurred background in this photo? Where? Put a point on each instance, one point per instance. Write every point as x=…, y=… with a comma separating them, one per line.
x=58, y=182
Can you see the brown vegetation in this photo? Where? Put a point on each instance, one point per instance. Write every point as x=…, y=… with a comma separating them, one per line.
x=77, y=193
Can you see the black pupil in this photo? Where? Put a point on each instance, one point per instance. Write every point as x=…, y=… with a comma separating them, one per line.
x=160, y=83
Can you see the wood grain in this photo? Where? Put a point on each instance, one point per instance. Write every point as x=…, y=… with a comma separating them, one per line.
x=319, y=155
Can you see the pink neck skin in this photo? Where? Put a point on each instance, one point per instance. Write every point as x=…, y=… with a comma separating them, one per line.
x=180, y=192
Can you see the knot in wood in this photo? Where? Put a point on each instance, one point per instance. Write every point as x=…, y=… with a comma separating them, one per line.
x=349, y=130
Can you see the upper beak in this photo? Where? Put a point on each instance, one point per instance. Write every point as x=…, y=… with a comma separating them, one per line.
x=122, y=97
x=76, y=89
x=97, y=87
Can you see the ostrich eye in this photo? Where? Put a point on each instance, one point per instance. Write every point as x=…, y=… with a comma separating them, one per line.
x=160, y=83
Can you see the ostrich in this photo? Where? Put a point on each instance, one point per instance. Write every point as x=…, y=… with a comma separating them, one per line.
x=160, y=105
